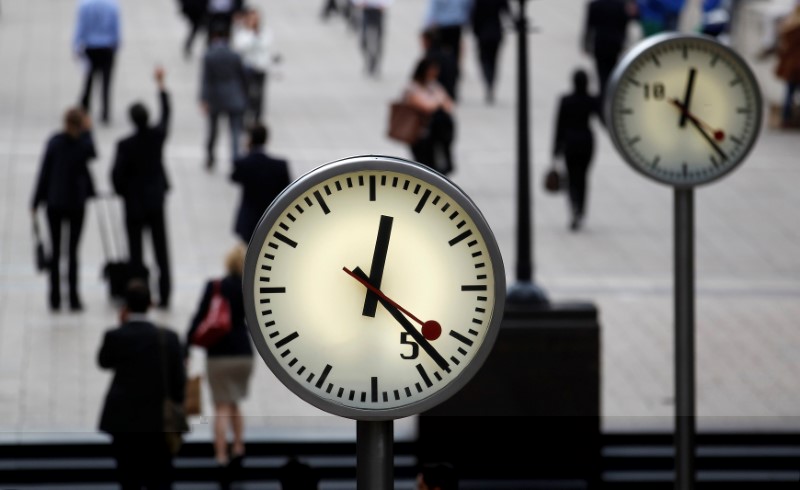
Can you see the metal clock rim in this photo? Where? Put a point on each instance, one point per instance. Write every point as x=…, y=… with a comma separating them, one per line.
x=633, y=55
x=300, y=187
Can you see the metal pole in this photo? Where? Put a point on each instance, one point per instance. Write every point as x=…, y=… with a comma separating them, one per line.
x=524, y=291
x=375, y=455
x=684, y=340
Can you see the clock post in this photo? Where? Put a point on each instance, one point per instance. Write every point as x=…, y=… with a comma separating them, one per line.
x=685, y=420
x=525, y=291
x=683, y=110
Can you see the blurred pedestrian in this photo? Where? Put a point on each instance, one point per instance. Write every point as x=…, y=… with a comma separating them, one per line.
x=487, y=24
x=372, y=22
x=575, y=142
x=229, y=361
x=716, y=17
x=447, y=18
x=658, y=16
x=196, y=12
x=97, y=37
x=138, y=175
x=223, y=91
x=426, y=94
x=221, y=14
x=254, y=44
x=148, y=369
x=605, y=34
x=63, y=186
x=437, y=476
x=262, y=178
x=443, y=57
x=788, y=68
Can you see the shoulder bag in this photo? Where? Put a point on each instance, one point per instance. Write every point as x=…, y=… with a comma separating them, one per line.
x=407, y=124
x=217, y=322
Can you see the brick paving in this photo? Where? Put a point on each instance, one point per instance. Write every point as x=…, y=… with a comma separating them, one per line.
x=321, y=108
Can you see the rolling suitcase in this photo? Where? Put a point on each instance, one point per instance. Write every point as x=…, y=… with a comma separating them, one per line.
x=117, y=270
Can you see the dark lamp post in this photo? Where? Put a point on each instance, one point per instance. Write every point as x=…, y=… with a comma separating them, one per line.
x=524, y=292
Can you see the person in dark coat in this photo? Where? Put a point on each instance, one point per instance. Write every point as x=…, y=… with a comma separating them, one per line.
x=229, y=361
x=605, y=34
x=139, y=177
x=223, y=91
x=574, y=140
x=262, y=178
x=64, y=185
x=144, y=359
x=487, y=24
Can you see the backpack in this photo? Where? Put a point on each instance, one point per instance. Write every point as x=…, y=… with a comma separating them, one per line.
x=217, y=322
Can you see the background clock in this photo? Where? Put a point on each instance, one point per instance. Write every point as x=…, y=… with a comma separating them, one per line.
x=683, y=109
x=373, y=288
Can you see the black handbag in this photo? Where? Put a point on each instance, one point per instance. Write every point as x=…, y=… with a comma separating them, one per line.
x=553, y=179
x=41, y=259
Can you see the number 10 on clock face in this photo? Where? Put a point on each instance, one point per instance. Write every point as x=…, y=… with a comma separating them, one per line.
x=682, y=109
x=373, y=288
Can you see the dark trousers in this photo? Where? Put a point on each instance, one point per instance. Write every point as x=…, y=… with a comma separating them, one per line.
x=101, y=61
x=487, y=54
x=196, y=24
x=56, y=218
x=154, y=221
x=604, y=62
x=434, y=150
x=236, y=120
x=372, y=37
x=143, y=460
x=256, y=88
x=577, y=167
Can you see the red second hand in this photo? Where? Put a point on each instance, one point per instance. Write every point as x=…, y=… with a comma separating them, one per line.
x=431, y=329
x=718, y=134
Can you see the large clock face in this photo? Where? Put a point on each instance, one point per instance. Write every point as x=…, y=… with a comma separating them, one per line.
x=683, y=109
x=374, y=288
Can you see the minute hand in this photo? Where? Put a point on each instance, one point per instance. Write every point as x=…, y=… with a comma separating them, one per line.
x=699, y=125
x=359, y=275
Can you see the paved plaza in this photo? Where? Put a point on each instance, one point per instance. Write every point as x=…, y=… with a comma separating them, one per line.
x=322, y=107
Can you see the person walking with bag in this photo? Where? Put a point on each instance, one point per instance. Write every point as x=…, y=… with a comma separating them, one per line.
x=425, y=94
x=64, y=185
x=229, y=355
x=139, y=177
x=575, y=142
x=148, y=372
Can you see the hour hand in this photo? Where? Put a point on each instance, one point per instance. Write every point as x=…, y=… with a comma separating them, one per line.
x=378, y=263
x=397, y=312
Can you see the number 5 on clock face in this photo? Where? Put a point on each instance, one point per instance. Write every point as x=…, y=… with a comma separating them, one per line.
x=374, y=288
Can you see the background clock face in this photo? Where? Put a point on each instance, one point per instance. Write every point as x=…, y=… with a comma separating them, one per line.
x=414, y=238
x=683, y=109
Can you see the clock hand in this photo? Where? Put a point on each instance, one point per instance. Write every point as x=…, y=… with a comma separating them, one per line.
x=687, y=99
x=395, y=310
x=378, y=262
x=719, y=134
x=431, y=329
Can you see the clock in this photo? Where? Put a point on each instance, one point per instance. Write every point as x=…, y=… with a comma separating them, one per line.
x=683, y=109
x=374, y=288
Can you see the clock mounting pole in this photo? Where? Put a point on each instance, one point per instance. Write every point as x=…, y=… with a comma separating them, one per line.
x=684, y=339
x=375, y=455
x=524, y=292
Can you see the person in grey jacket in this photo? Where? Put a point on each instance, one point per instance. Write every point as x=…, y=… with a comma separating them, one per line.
x=223, y=91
